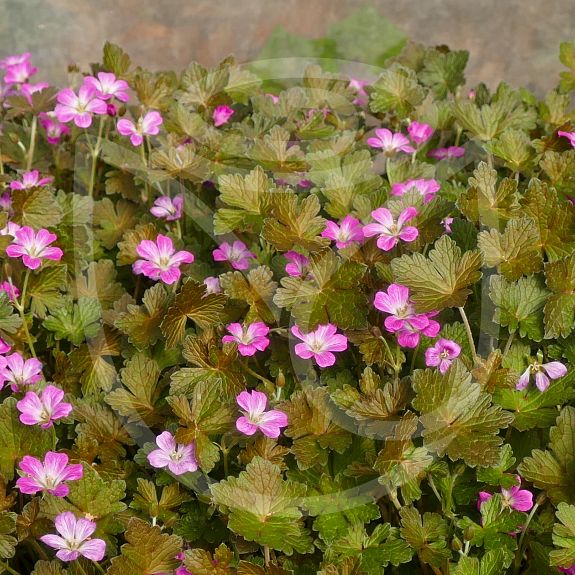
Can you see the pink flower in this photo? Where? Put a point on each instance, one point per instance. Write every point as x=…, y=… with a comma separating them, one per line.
x=359, y=87
x=10, y=229
x=344, y=235
x=236, y=254
x=568, y=570
x=447, y=221
x=148, y=125
x=78, y=107
x=168, y=208
x=419, y=133
x=43, y=410
x=390, y=232
x=30, y=180
x=15, y=59
x=514, y=498
x=297, y=264
x=250, y=339
x=275, y=99
x=48, y=476
x=19, y=73
x=544, y=372
x=212, y=285
x=256, y=417
x=53, y=128
x=178, y=458
x=33, y=247
x=409, y=336
x=11, y=290
x=446, y=153
x=75, y=539
x=107, y=86
x=569, y=135
x=161, y=261
x=6, y=203
x=320, y=344
x=427, y=188
x=390, y=142
x=16, y=371
x=222, y=115
x=27, y=90
x=442, y=354
x=4, y=347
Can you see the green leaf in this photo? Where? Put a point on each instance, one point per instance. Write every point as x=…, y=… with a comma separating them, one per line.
x=48, y=568
x=202, y=562
x=10, y=321
x=564, y=537
x=443, y=72
x=397, y=90
x=496, y=475
x=567, y=58
x=112, y=220
x=7, y=541
x=115, y=60
x=277, y=151
x=44, y=289
x=514, y=148
x=98, y=282
x=560, y=306
x=493, y=562
x=36, y=207
x=264, y=508
x=75, y=321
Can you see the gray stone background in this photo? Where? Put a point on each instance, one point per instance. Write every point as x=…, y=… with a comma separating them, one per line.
x=512, y=40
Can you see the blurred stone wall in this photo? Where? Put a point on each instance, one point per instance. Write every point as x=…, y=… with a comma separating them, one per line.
x=512, y=40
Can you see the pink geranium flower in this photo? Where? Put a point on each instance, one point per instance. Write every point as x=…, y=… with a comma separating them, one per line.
x=236, y=254
x=148, y=125
x=275, y=99
x=14, y=59
x=410, y=335
x=10, y=229
x=30, y=180
x=6, y=203
x=222, y=115
x=54, y=129
x=19, y=73
x=79, y=107
x=419, y=133
x=359, y=87
x=34, y=247
x=212, y=285
x=4, y=347
x=250, y=338
x=43, y=410
x=568, y=570
x=28, y=90
x=48, y=476
x=107, y=86
x=442, y=354
x=447, y=221
x=11, y=291
x=256, y=417
x=349, y=231
x=427, y=188
x=543, y=372
x=75, y=539
x=514, y=498
x=569, y=135
x=161, y=261
x=447, y=153
x=178, y=458
x=390, y=142
x=297, y=263
x=320, y=344
x=168, y=208
x=389, y=231
x=16, y=371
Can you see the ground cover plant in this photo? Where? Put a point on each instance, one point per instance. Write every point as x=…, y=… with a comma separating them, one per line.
x=257, y=323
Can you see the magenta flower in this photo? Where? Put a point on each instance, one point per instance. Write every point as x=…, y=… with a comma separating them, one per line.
x=297, y=264
x=275, y=99
x=427, y=188
x=48, y=476
x=419, y=133
x=447, y=153
x=6, y=203
x=222, y=115
x=250, y=338
x=409, y=336
x=53, y=128
x=544, y=373
x=514, y=498
x=212, y=285
x=161, y=261
x=569, y=135
x=16, y=371
x=34, y=247
x=11, y=291
x=178, y=458
x=107, y=86
x=447, y=221
x=236, y=254
x=568, y=570
x=19, y=73
x=349, y=231
x=442, y=354
x=14, y=59
x=43, y=410
x=256, y=417
x=390, y=232
x=10, y=229
x=319, y=344
x=27, y=90
x=4, y=346
x=30, y=180
x=168, y=208
x=148, y=125
x=74, y=538
x=78, y=107
x=390, y=142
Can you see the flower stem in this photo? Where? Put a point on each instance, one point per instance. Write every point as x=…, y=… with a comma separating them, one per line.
x=267, y=555
x=520, y=547
x=414, y=357
x=32, y=147
x=80, y=568
x=147, y=198
x=20, y=307
x=469, y=333
x=5, y=567
x=99, y=567
x=95, y=154
x=508, y=344
x=269, y=385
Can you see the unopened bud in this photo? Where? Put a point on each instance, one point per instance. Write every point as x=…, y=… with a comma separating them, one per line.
x=456, y=544
x=541, y=499
x=280, y=379
x=469, y=533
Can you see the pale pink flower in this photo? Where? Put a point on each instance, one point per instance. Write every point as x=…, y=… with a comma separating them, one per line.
x=168, y=208
x=275, y=99
x=161, y=261
x=359, y=87
x=447, y=153
x=250, y=338
x=75, y=539
x=236, y=254
x=222, y=115
x=4, y=346
x=19, y=73
x=30, y=179
x=48, y=476
x=34, y=247
x=14, y=59
x=256, y=417
x=178, y=458
x=212, y=284
x=569, y=135
x=6, y=203
x=45, y=408
x=543, y=372
x=389, y=231
x=11, y=290
x=320, y=343
x=148, y=125
x=10, y=229
x=79, y=107
x=28, y=90
x=419, y=133
x=427, y=188
x=447, y=221
x=53, y=127
x=16, y=371
x=297, y=263
x=348, y=232
x=442, y=354
x=390, y=142
x=107, y=86
x=514, y=498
